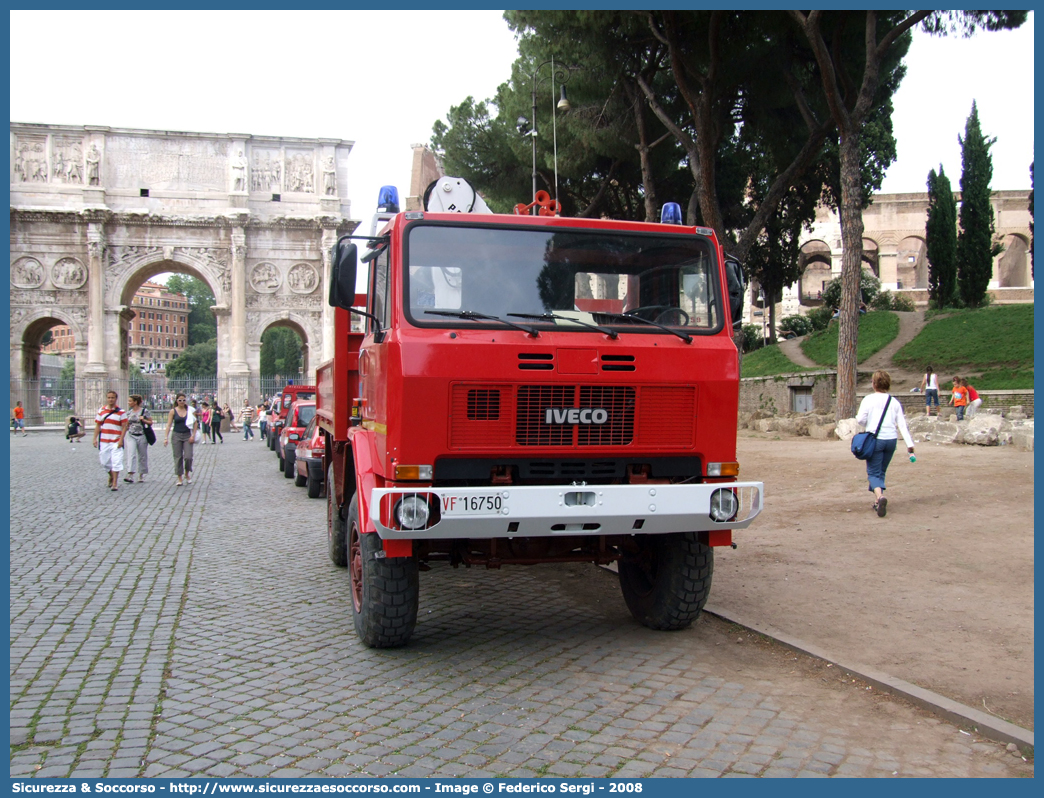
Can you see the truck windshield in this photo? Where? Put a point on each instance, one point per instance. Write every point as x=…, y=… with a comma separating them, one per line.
x=594, y=276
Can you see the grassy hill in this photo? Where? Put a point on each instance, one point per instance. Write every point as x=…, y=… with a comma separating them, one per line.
x=993, y=346
x=876, y=330
x=767, y=362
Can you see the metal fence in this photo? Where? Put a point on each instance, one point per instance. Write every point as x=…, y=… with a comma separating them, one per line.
x=50, y=402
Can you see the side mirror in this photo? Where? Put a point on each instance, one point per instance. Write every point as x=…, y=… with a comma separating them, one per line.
x=736, y=287
x=345, y=258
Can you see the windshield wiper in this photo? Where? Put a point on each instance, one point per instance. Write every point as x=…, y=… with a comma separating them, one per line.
x=613, y=335
x=684, y=336
x=470, y=314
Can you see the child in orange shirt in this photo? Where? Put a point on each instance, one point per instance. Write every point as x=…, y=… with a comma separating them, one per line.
x=959, y=397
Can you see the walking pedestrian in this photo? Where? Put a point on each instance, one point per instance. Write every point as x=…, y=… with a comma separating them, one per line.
x=930, y=386
x=231, y=417
x=262, y=420
x=137, y=447
x=184, y=423
x=204, y=420
x=216, y=417
x=959, y=398
x=881, y=408
x=19, y=419
x=246, y=416
x=110, y=427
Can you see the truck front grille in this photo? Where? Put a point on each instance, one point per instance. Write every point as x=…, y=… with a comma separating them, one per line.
x=512, y=416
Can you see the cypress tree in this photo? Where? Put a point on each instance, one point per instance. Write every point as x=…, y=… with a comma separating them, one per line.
x=975, y=247
x=940, y=235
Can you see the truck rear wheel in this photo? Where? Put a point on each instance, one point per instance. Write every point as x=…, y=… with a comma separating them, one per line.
x=667, y=581
x=336, y=532
x=385, y=590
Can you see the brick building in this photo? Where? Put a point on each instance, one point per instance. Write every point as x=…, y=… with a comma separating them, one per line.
x=157, y=333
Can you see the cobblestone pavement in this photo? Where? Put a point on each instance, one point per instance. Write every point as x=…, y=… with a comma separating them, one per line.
x=202, y=631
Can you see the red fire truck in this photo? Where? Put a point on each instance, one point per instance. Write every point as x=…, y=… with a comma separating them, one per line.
x=530, y=389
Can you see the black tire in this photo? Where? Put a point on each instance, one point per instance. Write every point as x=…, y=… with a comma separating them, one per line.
x=299, y=481
x=385, y=590
x=336, y=531
x=280, y=461
x=270, y=440
x=315, y=487
x=288, y=462
x=667, y=580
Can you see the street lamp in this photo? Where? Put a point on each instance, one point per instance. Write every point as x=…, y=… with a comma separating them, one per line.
x=528, y=127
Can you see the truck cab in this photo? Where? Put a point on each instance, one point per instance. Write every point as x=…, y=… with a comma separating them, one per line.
x=532, y=389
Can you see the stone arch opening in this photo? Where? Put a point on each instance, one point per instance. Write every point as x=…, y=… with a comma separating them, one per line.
x=872, y=257
x=269, y=383
x=151, y=327
x=36, y=377
x=911, y=267
x=817, y=270
x=1011, y=268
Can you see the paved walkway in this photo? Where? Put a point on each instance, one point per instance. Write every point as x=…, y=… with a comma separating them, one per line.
x=202, y=631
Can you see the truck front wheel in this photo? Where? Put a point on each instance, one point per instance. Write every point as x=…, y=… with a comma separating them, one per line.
x=336, y=533
x=385, y=590
x=666, y=581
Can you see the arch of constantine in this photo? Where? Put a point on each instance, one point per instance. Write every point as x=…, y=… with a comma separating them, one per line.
x=97, y=211
x=894, y=250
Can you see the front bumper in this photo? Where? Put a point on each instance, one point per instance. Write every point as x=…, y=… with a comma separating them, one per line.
x=548, y=511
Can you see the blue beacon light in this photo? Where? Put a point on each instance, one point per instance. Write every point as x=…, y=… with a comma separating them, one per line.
x=388, y=199
x=671, y=213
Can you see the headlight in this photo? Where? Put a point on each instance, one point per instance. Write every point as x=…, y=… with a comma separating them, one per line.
x=723, y=505
x=412, y=512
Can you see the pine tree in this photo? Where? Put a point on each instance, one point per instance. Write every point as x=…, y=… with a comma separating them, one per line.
x=940, y=233
x=975, y=246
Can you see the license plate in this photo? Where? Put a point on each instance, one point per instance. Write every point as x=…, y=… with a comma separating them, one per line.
x=473, y=504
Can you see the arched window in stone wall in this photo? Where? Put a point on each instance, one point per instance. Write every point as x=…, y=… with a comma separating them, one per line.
x=1011, y=267
x=911, y=265
x=872, y=256
x=817, y=271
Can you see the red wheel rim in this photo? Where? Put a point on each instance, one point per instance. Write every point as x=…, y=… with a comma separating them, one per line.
x=355, y=564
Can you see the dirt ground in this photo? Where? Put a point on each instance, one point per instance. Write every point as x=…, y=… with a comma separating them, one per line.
x=939, y=592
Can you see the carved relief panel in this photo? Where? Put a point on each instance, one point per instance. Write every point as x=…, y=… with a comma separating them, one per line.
x=30, y=159
x=68, y=273
x=27, y=273
x=266, y=170
x=67, y=159
x=265, y=278
x=300, y=171
x=302, y=278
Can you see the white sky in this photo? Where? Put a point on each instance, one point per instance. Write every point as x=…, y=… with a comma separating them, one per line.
x=382, y=78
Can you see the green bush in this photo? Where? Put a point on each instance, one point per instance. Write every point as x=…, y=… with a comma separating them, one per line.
x=869, y=286
x=799, y=325
x=753, y=337
x=819, y=317
x=886, y=300
x=882, y=301
x=903, y=303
